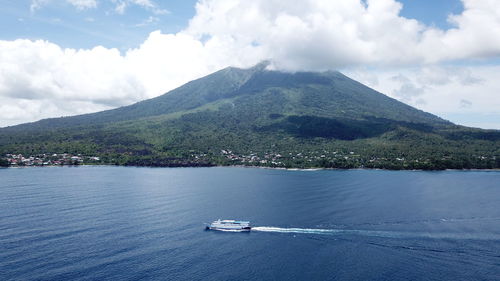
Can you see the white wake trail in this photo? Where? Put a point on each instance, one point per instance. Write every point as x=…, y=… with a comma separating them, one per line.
x=326, y=231
x=377, y=233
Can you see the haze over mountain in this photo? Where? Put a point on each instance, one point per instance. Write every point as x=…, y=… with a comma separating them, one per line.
x=304, y=119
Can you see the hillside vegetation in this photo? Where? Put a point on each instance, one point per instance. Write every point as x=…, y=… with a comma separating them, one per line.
x=264, y=118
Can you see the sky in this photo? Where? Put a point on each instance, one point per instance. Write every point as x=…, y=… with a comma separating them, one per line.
x=68, y=57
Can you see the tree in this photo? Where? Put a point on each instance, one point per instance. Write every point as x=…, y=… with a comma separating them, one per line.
x=4, y=162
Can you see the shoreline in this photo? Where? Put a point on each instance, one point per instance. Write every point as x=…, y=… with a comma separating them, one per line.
x=257, y=167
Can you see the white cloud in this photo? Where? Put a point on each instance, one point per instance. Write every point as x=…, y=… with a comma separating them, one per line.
x=465, y=103
x=122, y=5
x=150, y=20
x=325, y=34
x=79, y=4
x=442, y=90
x=321, y=34
x=368, y=38
x=37, y=4
x=407, y=90
x=83, y=4
x=39, y=70
x=39, y=79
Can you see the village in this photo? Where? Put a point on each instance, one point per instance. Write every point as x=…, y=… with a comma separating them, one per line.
x=50, y=159
x=279, y=160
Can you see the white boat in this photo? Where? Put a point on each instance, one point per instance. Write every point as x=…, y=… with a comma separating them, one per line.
x=230, y=225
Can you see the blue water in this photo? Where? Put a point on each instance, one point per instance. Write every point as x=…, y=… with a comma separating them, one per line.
x=118, y=223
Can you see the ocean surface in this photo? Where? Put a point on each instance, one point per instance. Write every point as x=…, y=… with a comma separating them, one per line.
x=123, y=223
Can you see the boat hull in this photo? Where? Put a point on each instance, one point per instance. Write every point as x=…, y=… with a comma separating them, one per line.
x=230, y=225
x=229, y=229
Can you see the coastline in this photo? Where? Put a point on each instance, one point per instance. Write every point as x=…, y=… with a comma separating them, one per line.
x=256, y=167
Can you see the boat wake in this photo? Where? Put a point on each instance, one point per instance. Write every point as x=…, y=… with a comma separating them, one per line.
x=326, y=231
x=377, y=233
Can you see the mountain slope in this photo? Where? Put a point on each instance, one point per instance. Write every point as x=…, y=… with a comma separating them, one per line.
x=329, y=94
x=262, y=112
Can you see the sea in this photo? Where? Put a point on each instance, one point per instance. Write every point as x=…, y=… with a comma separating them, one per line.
x=135, y=223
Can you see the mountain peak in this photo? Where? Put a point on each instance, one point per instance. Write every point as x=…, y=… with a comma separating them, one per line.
x=261, y=65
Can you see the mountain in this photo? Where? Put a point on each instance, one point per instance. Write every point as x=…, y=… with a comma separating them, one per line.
x=260, y=117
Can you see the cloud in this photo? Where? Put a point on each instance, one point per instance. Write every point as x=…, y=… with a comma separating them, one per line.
x=79, y=4
x=150, y=20
x=368, y=38
x=319, y=34
x=442, y=75
x=465, y=103
x=331, y=34
x=408, y=90
x=122, y=5
x=37, y=4
x=442, y=90
x=83, y=4
x=40, y=70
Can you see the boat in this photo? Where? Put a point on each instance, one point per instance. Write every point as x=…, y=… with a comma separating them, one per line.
x=229, y=225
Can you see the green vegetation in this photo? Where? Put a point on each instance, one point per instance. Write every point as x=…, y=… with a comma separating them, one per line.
x=4, y=162
x=264, y=118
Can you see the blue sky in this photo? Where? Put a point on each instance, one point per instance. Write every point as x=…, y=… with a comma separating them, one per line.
x=67, y=57
x=431, y=12
x=61, y=23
